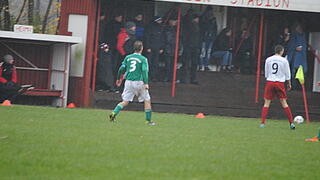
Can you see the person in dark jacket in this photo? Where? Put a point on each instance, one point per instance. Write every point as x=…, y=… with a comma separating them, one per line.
x=109, y=36
x=126, y=38
x=138, y=20
x=154, y=43
x=9, y=88
x=208, y=27
x=222, y=48
x=170, y=47
x=244, y=57
x=105, y=79
x=283, y=39
x=297, y=52
x=191, y=40
x=111, y=31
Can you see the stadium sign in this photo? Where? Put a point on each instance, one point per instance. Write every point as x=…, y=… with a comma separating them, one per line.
x=22, y=29
x=289, y=5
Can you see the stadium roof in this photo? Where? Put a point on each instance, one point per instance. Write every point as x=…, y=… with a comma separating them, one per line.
x=40, y=37
x=289, y=5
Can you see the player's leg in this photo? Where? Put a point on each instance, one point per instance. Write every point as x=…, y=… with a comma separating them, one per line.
x=148, y=111
x=268, y=96
x=127, y=96
x=288, y=112
x=264, y=113
x=117, y=110
x=144, y=96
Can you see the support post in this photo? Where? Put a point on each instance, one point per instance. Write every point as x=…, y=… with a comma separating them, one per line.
x=97, y=47
x=176, y=55
x=305, y=103
x=259, y=56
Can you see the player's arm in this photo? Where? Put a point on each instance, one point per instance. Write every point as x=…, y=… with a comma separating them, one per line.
x=145, y=70
x=266, y=69
x=288, y=76
x=121, y=71
x=2, y=79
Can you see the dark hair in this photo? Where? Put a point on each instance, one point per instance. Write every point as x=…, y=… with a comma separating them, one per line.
x=137, y=46
x=278, y=49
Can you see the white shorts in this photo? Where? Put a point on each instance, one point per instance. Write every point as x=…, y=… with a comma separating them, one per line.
x=135, y=88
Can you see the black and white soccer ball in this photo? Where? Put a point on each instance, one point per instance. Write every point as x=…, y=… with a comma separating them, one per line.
x=298, y=119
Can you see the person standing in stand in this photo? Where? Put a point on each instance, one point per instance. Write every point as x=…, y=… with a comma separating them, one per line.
x=154, y=43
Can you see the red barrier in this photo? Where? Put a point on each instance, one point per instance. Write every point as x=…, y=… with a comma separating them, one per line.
x=97, y=46
x=305, y=103
x=176, y=56
x=259, y=56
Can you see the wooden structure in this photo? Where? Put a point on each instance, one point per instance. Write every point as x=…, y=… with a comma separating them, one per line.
x=42, y=60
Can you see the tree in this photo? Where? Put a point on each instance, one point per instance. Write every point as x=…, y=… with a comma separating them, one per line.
x=21, y=11
x=1, y=8
x=30, y=11
x=7, y=22
x=37, y=8
x=45, y=19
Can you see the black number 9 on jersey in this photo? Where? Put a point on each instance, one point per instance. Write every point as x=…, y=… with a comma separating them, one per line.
x=275, y=68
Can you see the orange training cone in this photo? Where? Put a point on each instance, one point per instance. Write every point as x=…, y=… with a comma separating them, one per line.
x=200, y=115
x=71, y=105
x=6, y=103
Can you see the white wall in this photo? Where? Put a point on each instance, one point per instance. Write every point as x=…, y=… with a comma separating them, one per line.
x=289, y=5
x=78, y=25
x=315, y=43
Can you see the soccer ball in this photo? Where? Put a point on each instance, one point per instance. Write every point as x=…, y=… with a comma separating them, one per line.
x=298, y=119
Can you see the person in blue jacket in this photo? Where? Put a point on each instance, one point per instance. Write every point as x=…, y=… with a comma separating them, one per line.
x=297, y=52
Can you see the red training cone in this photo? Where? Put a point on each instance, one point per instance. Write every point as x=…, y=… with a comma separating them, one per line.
x=315, y=139
x=71, y=105
x=6, y=103
x=200, y=115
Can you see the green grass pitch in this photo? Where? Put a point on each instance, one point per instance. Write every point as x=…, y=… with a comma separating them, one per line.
x=49, y=143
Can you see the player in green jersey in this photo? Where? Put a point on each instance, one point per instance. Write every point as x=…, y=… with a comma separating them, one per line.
x=135, y=69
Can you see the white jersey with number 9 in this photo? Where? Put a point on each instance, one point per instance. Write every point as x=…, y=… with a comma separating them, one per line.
x=277, y=69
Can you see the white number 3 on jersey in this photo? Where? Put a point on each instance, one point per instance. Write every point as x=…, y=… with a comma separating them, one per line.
x=133, y=66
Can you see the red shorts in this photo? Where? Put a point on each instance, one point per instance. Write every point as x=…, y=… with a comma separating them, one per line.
x=275, y=90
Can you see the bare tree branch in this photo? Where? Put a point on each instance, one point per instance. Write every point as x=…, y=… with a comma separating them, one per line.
x=45, y=19
x=30, y=11
x=21, y=11
x=7, y=23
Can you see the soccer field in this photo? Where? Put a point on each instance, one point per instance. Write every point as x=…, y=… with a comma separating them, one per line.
x=50, y=143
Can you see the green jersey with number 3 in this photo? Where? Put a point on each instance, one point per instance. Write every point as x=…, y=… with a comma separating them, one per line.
x=136, y=68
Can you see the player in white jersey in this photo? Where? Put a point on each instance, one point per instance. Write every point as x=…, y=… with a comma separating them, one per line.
x=277, y=72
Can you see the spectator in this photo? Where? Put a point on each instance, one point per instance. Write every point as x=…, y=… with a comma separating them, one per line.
x=170, y=47
x=155, y=42
x=126, y=38
x=9, y=88
x=138, y=20
x=191, y=40
x=222, y=48
x=102, y=29
x=105, y=79
x=244, y=56
x=283, y=40
x=187, y=18
x=208, y=28
x=112, y=30
x=297, y=52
